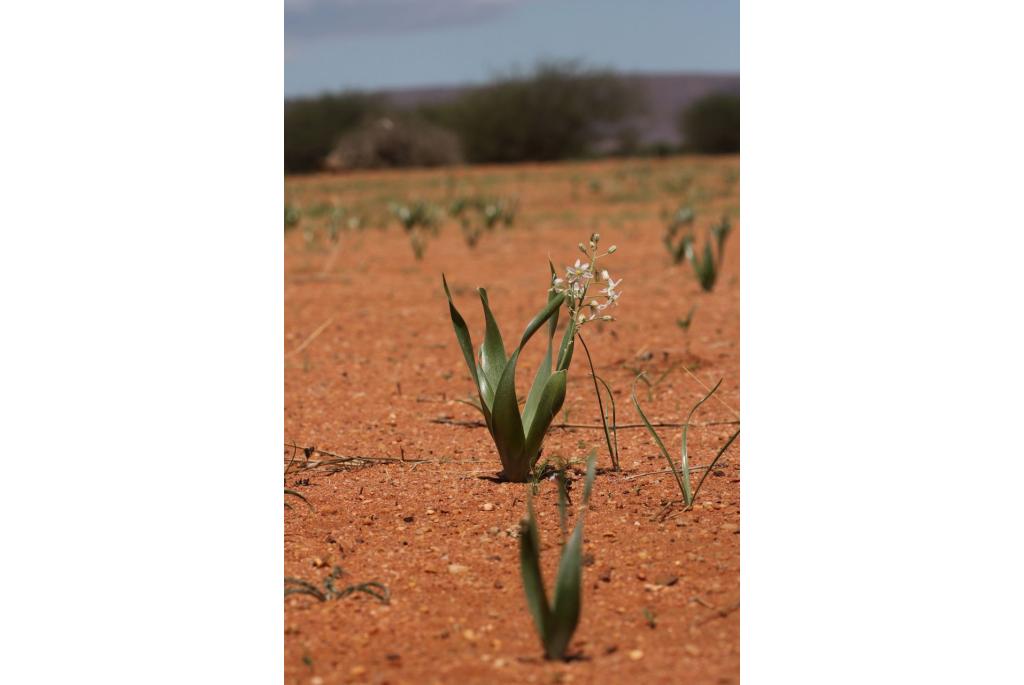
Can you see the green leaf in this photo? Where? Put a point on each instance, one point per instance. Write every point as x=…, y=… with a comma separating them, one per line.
x=687, y=495
x=565, y=613
x=461, y=333
x=533, y=582
x=492, y=351
x=549, y=310
x=547, y=408
x=507, y=425
x=714, y=461
x=684, y=489
x=543, y=371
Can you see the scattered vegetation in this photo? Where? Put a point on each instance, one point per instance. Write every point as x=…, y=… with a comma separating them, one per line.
x=555, y=621
x=682, y=474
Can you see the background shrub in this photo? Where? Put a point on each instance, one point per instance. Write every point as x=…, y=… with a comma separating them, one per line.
x=312, y=126
x=392, y=141
x=556, y=112
x=712, y=124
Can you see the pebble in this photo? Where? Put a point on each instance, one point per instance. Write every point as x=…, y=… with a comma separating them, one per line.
x=730, y=528
x=457, y=568
x=636, y=655
x=488, y=507
x=357, y=671
x=692, y=649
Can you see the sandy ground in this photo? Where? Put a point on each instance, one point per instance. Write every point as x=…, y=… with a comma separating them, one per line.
x=373, y=370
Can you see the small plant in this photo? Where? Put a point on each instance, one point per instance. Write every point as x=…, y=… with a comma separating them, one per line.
x=292, y=216
x=685, y=322
x=706, y=266
x=418, y=220
x=556, y=621
x=298, y=586
x=682, y=474
x=518, y=437
x=679, y=233
x=492, y=212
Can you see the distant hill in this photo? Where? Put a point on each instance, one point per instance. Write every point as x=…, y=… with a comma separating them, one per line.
x=666, y=94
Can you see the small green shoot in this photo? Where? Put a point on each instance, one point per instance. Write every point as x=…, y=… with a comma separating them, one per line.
x=298, y=586
x=678, y=233
x=682, y=474
x=684, y=323
x=555, y=622
x=707, y=265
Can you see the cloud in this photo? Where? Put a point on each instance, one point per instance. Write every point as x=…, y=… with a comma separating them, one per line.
x=304, y=19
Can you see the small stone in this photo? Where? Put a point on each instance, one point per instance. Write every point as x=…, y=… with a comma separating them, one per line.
x=640, y=575
x=636, y=654
x=457, y=568
x=498, y=585
x=692, y=649
x=730, y=528
x=357, y=671
x=667, y=580
x=499, y=663
x=469, y=634
x=319, y=563
x=409, y=519
x=488, y=507
x=493, y=530
x=605, y=576
x=316, y=680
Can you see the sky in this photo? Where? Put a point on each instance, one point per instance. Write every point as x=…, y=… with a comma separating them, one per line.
x=333, y=45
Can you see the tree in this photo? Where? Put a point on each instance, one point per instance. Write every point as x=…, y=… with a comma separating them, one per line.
x=712, y=124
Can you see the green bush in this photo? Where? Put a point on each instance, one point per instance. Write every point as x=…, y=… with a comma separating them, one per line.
x=312, y=126
x=558, y=111
x=712, y=124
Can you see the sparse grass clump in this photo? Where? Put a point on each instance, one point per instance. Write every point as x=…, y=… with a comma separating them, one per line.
x=682, y=474
x=298, y=586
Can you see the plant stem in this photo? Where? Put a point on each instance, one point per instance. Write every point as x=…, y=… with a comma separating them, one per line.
x=600, y=404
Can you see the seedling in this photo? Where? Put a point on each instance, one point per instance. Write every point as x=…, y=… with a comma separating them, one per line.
x=555, y=622
x=298, y=586
x=292, y=216
x=707, y=265
x=418, y=220
x=684, y=323
x=678, y=233
x=682, y=474
x=518, y=437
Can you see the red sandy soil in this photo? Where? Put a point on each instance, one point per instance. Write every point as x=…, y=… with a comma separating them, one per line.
x=372, y=362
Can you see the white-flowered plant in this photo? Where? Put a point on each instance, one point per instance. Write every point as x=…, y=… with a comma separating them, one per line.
x=582, y=279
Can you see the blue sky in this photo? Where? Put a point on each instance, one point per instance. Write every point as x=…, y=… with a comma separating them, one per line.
x=338, y=44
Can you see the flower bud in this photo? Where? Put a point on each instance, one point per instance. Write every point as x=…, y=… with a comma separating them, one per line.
x=607, y=318
x=582, y=249
x=595, y=238
x=611, y=250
